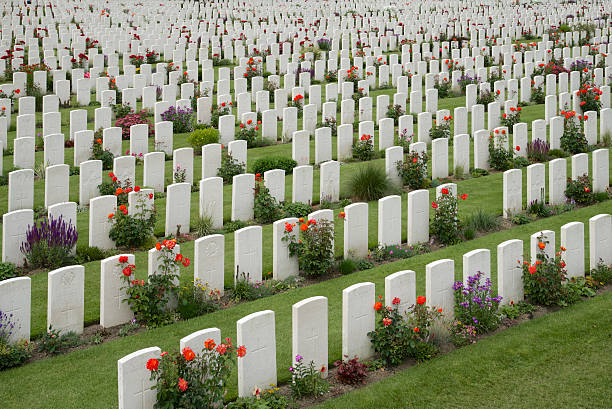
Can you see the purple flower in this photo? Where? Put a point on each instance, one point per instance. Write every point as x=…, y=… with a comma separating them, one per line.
x=298, y=358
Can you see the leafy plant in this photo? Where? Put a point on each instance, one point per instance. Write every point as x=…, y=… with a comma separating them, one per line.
x=580, y=190
x=413, y=170
x=232, y=226
x=181, y=118
x=189, y=380
x=537, y=150
x=395, y=111
x=296, y=209
x=475, y=303
x=53, y=342
x=196, y=299
x=369, y=183
x=514, y=117
x=132, y=230
x=314, y=249
x=201, y=137
x=482, y=221
x=203, y=225
x=262, y=165
x=351, y=371
x=49, y=243
x=440, y=128
x=347, y=266
x=363, y=149
x=500, y=158
x=573, y=139
x=101, y=154
x=265, y=208
x=446, y=226
x=86, y=254
x=230, y=167
x=247, y=290
x=7, y=270
x=11, y=354
x=248, y=133
x=513, y=311
x=306, y=379
x=127, y=121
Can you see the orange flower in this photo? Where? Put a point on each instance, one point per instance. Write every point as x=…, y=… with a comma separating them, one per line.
x=378, y=305
x=563, y=248
x=532, y=269
x=221, y=349
x=99, y=140
x=111, y=215
x=170, y=244
x=416, y=329
x=541, y=245
x=209, y=344
x=421, y=300
x=188, y=354
x=342, y=215
x=288, y=227
x=158, y=246
x=241, y=351
x=118, y=191
x=304, y=227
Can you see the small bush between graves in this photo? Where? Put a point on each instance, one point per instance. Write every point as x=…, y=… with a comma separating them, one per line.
x=600, y=275
x=53, y=342
x=132, y=230
x=230, y=167
x=314, y=249
x=11, y=354
x=49, y=243
x=262, y=165
x=149, y=299
x=413, y=170
x=580, y=190
x=351, y=371
x=86, y=254
x=181, y=118
x=203, y=225
x=482, y=221
x=201, y=137
x=475, y=304
x=307, y=380
x=197, y=299
x=440, y=128
x=261, y=399
x=265, y=208
x=397, y=338
x=363, y=148
x=190, y=380
x=134, y=119
x=246, y=289
x=101, y=154
x=573, y=139
x=446, y=226
x=248, y=133
x=7, y=270
x=500, y=158
x=296, y=209
x=511, y=119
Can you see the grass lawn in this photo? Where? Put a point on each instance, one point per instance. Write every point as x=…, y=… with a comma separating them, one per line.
x=560, y=360
x=88, y=378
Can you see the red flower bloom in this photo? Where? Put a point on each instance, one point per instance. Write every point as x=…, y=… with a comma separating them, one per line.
x=434, y=205
x=378, y=305
x=386, y=321
x=178, y=257
x=136, y=188
x=152, y=364
x=304, y=227
x=342, y=215
x=444, y=191
x=241, y=351
x=532, y=269
x=221, y=349
x=186, y=262
x=209, y=344
x=127, y=271
x=395, y=301
x=182, y=384
x=421, y=300
x=288, y=227
x=123, y=259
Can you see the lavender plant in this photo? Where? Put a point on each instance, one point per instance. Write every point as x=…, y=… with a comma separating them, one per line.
x=324, y=44
x=181, y=118
x=538, y=150
x=475, y=304
x=11, y=354
x=49, y=243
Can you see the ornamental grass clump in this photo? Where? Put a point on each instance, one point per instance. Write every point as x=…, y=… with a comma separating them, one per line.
x=49, y=243
x=189, y=380
x=369, y=183
x=181, y=118
x=475, y=304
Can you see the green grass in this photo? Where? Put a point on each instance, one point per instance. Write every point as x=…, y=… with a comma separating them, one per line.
x=88, y=378
x=560, y=360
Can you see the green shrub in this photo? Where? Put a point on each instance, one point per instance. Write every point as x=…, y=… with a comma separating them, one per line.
x=132, y=230
x=195, y=300
x=230, y=167
x=262, y=165
x=315, y=247
x=307, y=379
x=232, y=226
x=53, y=343
x=7, y=270
x=246, y=289
x=201, y=137
x=580, y=190
x=500, y=157
x=265, y=208
x=99, y=153
x=86, y=254
x=12, y=355
x=413, y=170
x=446, y=226
x=369, y=183
x=296, y=209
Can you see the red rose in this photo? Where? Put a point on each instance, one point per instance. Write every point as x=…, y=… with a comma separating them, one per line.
x=421, y=300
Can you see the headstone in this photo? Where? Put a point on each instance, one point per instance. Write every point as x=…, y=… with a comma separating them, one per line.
x=211, y=200
x=310, y=331
x=113, y=310
x=66, y=302
x=329, y=186
x=283, y=264
x=510, y=271
x=358, y=317
x=418, y=216
x=401, y=285
x=178, y=208
x=302, y=184
x=135, y=385
x=16, y=302
x=600, y=240
x=243, y=197
x=512, y=192
x=258, y=367
x=356, y=231
x=390, y=221
x=20, y=189
x=209, y=261
x=439, y=278
x=572, y=238
x=548, y=238
x=475, y=261
x=100, y=210
x=248, y=253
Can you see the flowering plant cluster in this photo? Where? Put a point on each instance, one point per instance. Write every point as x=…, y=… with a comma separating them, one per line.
x=189, y=380
x=80, y=61
x=360, y=94
x=90, y=43
x=485, y=97
x=253, y=69
x=589, y=96
x=441, y=128
x=134, y=119
x=12, y=96
x=306, y=380
x=248, y=132
x=514, y=117
x=298, y=102
x=265, y=207
x=324, y=44
x=314, y=248
x=30, y=68
x=11, y=354
x=363, y=148
x=580, y=190
x=331, y=76
x=149, y=299
x=49, y=243
x=544, y=281
x=351, y=371
x=116, y=187
x=99, y=153
x=218, y=111
x=181, y=118
x=133, y=230
x=573, y=139
x=443, y=85
x=475, y=303
x=397, y=337
x=500, y=157
x=150, y=57
x=352, y=75
x=465, y=80
x=554, y=66
x=395, y=111
x=413, y=170
x=446, y=226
